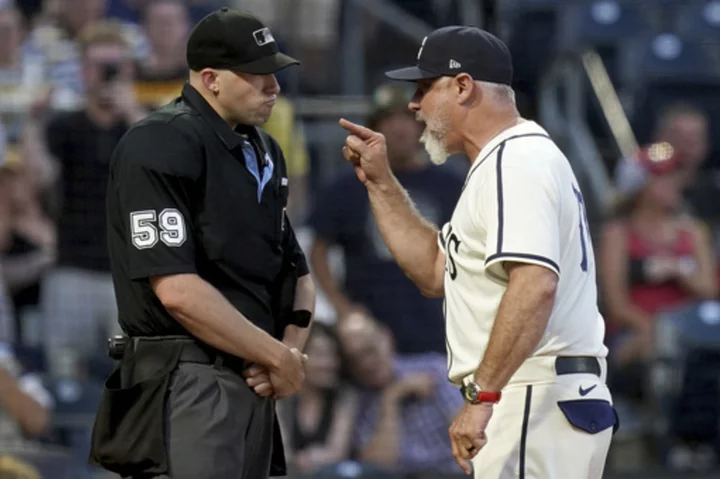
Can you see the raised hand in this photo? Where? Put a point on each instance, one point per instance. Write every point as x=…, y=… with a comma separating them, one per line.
x=366, y=150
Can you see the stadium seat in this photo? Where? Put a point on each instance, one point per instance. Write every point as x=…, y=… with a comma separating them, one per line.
x=695, y=327
x=605, y=26
x=682, y=334
x=698, y=21
x=604, y=22
x=667, y=56
x=685, y=376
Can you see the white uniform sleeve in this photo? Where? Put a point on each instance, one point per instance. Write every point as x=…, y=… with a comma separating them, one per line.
x=520, y=211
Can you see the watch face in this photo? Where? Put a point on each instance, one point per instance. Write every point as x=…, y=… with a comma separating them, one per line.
x=471, y=392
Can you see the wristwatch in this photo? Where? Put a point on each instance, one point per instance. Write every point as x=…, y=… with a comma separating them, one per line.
x=473, y=394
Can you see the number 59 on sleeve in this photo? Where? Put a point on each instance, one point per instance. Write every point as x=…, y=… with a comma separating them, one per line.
x=144, y=232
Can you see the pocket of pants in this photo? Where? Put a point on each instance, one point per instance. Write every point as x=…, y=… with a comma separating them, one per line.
x=128, y=436
x=590, y=415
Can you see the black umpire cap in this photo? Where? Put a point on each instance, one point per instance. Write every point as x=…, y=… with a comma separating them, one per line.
x=449, y=51
x=230, y=39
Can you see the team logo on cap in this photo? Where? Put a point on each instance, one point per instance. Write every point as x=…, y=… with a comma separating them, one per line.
x=263, y=36
x=422, y=45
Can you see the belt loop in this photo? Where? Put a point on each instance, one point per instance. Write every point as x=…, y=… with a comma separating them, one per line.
x=218, y=361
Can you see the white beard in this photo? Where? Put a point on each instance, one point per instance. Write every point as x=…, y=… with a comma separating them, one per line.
x=434, y=147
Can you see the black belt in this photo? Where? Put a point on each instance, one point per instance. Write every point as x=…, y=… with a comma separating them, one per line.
x=577, y=365
x=193, y=351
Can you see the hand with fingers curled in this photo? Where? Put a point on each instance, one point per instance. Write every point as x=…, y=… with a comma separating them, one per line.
x=365, y=149
x=467, y=433
x=280, y=382
x=257, y=377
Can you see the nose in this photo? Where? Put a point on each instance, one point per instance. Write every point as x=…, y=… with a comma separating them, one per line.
x=273, y=87
x=414, y=104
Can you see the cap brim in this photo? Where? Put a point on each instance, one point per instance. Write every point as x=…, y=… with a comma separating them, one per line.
x=267, y=65
x=411, y=74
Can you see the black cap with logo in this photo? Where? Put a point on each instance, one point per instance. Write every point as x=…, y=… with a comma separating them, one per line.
x=230, y=39
x=449, y=51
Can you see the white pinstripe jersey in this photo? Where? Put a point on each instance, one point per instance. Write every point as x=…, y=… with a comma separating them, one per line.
x=521, y=202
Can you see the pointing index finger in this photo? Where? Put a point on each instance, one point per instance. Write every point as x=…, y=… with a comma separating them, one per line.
x=357, y=130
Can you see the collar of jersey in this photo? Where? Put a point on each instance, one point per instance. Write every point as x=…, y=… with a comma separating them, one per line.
x=231, y=138
x=526, y=127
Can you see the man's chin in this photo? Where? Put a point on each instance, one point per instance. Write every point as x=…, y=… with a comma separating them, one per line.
x=435, y=149
x=438, y=160
x=257, y=120
x=438, y=154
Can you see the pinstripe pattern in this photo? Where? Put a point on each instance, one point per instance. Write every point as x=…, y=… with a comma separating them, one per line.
x=524, y=432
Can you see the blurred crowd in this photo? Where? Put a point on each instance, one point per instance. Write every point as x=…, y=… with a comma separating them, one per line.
x=75, y=74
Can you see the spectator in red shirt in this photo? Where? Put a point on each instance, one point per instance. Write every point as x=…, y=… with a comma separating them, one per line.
x=653, y=255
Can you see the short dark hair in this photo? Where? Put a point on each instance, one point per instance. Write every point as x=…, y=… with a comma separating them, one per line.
x=102, y=33
x=319, y=329
x=675, y=110
x=389, y=99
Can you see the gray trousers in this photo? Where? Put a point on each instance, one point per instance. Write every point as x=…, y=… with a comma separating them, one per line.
x=216, y=427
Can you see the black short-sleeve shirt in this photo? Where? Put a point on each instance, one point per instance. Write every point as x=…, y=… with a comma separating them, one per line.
x=83, y=150
x=186, y=195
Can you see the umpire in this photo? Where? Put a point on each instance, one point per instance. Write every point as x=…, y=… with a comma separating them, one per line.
x=212, y=287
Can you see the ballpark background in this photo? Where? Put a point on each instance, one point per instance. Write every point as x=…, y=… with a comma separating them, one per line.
x=606, y=78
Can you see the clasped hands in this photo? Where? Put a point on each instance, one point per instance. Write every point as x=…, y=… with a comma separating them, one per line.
x=278, y=382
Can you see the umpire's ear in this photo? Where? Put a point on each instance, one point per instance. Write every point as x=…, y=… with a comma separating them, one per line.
x=210, y=79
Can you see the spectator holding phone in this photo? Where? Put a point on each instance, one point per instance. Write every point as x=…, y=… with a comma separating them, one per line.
x=78, y=301
x=55, y=43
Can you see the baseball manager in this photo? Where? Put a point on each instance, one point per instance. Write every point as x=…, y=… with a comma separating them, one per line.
x=515, y=264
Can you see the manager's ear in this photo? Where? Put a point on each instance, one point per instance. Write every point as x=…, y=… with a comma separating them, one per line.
x=464, y=88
